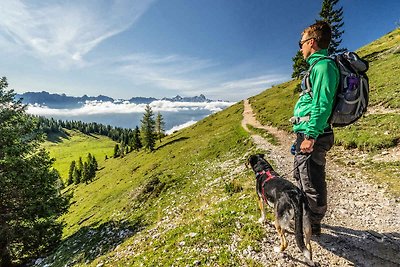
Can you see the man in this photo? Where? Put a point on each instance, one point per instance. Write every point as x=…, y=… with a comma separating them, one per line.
x=311, y=114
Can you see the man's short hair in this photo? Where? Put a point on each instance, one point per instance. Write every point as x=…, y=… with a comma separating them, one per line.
x=322, y=33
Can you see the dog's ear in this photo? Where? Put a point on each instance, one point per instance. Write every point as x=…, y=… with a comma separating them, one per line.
x=262, y=155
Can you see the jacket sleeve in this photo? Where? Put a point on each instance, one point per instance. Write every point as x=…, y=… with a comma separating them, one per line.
x=324, y=79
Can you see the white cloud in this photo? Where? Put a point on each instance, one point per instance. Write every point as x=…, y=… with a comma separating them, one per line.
x=91, y=108
x=65, y=30
x=179, y=127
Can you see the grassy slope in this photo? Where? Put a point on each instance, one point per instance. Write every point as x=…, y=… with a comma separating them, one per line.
x=76, y=145
x=372, y=133
x=182, y=203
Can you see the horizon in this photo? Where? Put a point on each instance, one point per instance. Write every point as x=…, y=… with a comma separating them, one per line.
x=114, y=98
x=223, y=49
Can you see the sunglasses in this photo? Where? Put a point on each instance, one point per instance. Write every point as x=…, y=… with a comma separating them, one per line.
x=302, y=42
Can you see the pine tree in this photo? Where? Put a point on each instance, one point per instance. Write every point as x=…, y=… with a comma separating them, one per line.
x=92, y=165
x=78, y=171
x=71, y=173
x=85, y=173
x=147, y=130
x=136, y=143
x=160, y=124
x=334, y=17
x=95, y=164
x=30, y=189
x=116, y=151
x=77, y=176
x=299, y=65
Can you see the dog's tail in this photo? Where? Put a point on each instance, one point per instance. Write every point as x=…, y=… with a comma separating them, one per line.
x=297, y=202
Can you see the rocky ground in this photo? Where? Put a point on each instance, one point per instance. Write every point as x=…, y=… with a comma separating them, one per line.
x=362, y=226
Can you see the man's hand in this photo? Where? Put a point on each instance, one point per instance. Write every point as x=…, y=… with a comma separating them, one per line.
x=307, y=146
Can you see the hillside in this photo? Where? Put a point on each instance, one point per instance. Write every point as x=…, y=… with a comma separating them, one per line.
x=192, y=202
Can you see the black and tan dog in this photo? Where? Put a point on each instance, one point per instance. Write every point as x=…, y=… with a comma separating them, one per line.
x=288, y=202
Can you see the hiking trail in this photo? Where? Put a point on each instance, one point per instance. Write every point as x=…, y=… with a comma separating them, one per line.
x=362, y=225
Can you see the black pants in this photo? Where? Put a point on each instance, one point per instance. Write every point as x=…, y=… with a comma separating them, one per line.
x=310, y=174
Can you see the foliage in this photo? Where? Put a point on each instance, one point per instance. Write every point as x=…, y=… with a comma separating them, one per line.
x=83, y=172
x=136, y=143
x=75, y=144
x=299, y=65
x=117, y=151
x=334, y=17
x=147, y=131
x=160, y=124
x=58, y=127
x=30, y=196
x=71, y=173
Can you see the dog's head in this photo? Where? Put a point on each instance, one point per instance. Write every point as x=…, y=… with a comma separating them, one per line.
x=258, y=163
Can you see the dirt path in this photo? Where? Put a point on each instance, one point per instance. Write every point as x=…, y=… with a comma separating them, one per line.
x=362, y=226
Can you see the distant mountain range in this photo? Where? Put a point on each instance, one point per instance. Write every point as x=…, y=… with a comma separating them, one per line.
x=64, y=101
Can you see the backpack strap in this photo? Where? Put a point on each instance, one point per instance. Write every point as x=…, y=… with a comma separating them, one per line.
x=308, y=89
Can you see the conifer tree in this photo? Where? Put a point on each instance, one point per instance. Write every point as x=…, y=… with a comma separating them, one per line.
x=77, y=175
x=85, y=173
x=92, y=165
x=147, y=130
x=30, y=189
x=95, y=164
x=71, y=173
x=299, y=65
x=334, y=17
x=116, y=151
x=160, y=124
x=136, y=143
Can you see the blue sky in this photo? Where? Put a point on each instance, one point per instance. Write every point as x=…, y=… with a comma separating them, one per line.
x=224, y=49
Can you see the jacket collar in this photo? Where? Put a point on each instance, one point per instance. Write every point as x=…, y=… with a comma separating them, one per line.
x=316, y=55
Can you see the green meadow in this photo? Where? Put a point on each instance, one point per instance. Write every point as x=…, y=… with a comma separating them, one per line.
x=75, y=144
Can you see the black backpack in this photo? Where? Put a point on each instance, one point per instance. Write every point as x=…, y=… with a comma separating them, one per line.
x=351, y=98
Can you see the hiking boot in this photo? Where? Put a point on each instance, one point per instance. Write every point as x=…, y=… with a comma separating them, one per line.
x=316, y=229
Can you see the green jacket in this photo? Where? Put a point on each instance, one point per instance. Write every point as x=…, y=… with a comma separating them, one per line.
x=324, y=79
